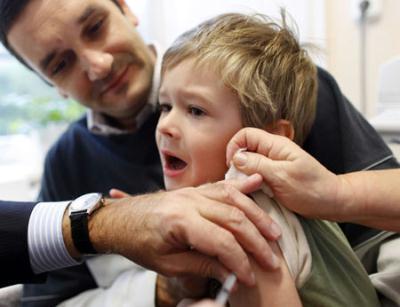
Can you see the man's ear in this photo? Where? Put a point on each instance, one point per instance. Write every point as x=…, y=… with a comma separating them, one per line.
x=62, y=93
x=281, y=127
x=128, y=13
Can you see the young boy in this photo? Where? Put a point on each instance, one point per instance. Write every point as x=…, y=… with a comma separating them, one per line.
x=235, y=71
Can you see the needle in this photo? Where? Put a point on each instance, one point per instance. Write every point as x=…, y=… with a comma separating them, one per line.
x=227, y=286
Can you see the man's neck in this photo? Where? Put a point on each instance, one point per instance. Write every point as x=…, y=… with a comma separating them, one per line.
x=126, y=123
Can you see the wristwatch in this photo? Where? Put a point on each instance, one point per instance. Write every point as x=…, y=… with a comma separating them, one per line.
x=79, y=213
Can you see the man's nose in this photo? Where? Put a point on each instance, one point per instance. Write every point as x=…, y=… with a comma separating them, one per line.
x=97, y=64
x=168, y=125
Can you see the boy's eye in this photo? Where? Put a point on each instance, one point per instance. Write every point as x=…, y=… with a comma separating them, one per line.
x=164, y=107
x=196, y=111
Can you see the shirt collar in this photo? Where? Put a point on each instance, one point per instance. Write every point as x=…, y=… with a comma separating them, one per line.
x=97, y=122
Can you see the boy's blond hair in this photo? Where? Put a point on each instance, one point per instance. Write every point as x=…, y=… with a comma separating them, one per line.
x=261, y=61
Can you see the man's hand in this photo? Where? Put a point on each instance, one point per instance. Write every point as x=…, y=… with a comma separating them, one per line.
x=200, y=231
x=298, y=181
x=173, y=290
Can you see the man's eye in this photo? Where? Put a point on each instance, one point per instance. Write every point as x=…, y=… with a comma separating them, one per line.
x=95, y=28
x=63, y=63
x=60, y=66
x=164, y=107
x=196, y=111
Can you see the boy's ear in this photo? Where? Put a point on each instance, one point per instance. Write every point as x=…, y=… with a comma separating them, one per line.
x=128, y=13
x=281, y=127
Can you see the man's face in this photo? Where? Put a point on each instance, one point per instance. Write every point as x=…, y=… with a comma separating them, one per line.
x=199, y=115
x=89, y=50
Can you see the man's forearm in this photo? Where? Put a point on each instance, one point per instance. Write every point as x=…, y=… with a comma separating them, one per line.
x=102, y=225
x=370, y=198
x=66, y=228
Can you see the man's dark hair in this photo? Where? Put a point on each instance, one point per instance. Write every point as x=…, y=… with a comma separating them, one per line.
x=10, y=10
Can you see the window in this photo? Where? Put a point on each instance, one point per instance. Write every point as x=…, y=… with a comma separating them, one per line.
x=28, y=107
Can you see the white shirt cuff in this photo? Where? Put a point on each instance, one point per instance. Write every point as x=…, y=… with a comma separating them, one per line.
x=47, y=250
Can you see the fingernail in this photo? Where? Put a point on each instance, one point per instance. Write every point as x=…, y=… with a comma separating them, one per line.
x=275, y=230
x=240, y=159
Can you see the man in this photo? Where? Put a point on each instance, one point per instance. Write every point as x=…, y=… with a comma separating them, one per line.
x=92, y=52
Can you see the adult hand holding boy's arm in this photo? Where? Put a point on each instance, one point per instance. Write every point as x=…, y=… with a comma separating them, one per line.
x=302, y=184
x=193, y=231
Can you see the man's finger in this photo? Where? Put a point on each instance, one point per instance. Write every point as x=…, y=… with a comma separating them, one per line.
x=234, y=220
x=275, y=147
x=226, y=193
x=252, y=139
x=194, y=263
x=215, y=241
x=250, y=163
x=246, y=185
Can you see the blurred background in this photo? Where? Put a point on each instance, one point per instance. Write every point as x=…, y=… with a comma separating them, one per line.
x=359, y=45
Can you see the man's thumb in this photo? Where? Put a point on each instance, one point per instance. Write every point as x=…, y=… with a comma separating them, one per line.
x=250, y=163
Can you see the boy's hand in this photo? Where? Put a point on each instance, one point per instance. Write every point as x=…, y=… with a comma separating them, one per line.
x=115, y=193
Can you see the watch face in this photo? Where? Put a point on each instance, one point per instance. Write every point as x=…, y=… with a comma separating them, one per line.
x=88, y=202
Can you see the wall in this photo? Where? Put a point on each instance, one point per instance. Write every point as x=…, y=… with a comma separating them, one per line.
x=163, y=20
x=342, y=53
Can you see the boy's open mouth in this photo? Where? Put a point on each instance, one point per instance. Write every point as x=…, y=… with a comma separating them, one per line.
x=174, y=163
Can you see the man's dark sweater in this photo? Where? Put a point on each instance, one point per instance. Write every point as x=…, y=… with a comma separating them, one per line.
x=82, y=162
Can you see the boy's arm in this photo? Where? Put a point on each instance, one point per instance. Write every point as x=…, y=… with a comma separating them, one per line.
x=274, y=288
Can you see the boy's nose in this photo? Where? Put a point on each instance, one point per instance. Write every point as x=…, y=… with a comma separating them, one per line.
x=97, y=64
x=167, y=125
